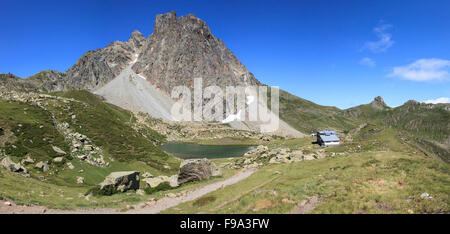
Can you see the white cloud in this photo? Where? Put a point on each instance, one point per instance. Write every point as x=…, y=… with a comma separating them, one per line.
x=384, y=39
x=367, y=62
x=423, y=70
x=438, y=100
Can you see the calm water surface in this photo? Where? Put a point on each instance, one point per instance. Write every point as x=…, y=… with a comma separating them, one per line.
x=189, y=150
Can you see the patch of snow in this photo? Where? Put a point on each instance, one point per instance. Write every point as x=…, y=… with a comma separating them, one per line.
x=135, y=59
x=141, y=76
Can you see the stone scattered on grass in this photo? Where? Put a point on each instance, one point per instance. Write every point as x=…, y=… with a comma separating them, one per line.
x=70, y=166
x=58, y=150
x=120, y=181
x=426, y=196
x=140, y=192
x=58, y=159
x=12, y=166
x=80, y=180
x=27, y=160
x=42, y=166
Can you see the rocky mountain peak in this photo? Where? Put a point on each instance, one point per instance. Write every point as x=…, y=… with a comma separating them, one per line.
x=97, y=67
x=179, y=50
x=137, y=39
x=379, y=100
x=412, y=102
x=182, y=48
x=136, y=34
x=170, y=23
x=378, y=103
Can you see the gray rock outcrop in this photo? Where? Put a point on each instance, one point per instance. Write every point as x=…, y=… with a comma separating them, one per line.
x=58, y=159
x=155, y=181
x=27, y=160
x=121, y=181
x=80, y=180
x=98, y=67
x=197, y=169
x=42, y=166
x=58, y=150
x=184, y=47
x=12, y=166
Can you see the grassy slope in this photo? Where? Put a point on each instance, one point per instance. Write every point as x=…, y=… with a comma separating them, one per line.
x=377, y=173
x=30, y=139
x=106, y=125
x=421, y=120
x=57, y=196
x=308, y=117
x=429, y=125
x=432, y=124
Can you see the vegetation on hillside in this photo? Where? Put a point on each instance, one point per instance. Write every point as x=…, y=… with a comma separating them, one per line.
x=374, y=172
x=109, y=127
x=28, y=131
x=308, y=117
x=428, y=123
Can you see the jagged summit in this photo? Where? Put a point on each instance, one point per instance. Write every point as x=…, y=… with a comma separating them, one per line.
x=179, y=49
x=412, y=102
x=378, y=103
x=170, y=20
x=136, y=33
x=379, y=99
x=182, y=48
x=137, y=39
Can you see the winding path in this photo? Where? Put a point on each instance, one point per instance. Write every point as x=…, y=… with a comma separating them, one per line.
x=167, y=202
x=142, y=208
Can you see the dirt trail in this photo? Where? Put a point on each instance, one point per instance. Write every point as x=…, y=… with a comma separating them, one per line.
x=143, y=208
x=167, y=202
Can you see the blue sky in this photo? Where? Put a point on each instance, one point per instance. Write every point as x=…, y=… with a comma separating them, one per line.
x=339, y=53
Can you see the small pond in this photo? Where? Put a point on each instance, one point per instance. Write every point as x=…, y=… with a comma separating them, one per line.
x=190, y=150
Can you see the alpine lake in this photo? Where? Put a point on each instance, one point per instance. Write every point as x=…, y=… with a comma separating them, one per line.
x=191, y=150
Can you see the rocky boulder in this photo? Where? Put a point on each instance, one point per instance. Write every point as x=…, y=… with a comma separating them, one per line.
x=70, y=166
x=120, y=181
x=258, y=150
x=197, y=169
x=58, y=150
x=43, y=166
x=13, y=167
x=27, y=160
x=80, y=180
x=155, y=181
x=58, y=159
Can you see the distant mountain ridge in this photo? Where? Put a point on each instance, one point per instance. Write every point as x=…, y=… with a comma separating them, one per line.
x=179, y=49
x=429, y=123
